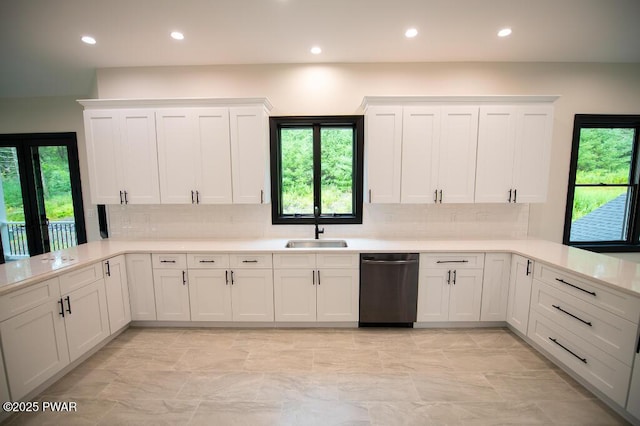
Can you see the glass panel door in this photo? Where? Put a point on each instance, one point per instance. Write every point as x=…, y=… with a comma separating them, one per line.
x=12, y=215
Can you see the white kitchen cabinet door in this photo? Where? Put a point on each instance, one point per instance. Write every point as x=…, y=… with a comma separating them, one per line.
x=456, y=154
x=338, y=295
x=383, y=154
x=213, y=159
x=496, y=146
x=495, y=286
x=465, y=295
x=520, y=283
x=102, y=130
x=194, y=156
x=433, y=295
x=86, y=318
x=140, y=282
x=249, y=132
x=172, y=294
x=34, y=345
x=295, y=295
x=420, y=139
x=139, y=156
x=123, y=157
x=117, y=289
x=633, y=400
x=533, y=153
x=252, y=295
x=177, y=155
x=210, y=295
x=4, y=386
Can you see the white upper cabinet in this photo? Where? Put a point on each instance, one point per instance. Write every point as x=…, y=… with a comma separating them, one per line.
x=383, y=153
x=249, y=131
x=514, y=145
x=121, y=146
x=180, y=151
x=194, y=155
x=457, y=154
x=420, y=142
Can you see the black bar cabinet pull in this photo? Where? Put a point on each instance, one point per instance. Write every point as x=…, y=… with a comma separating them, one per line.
x=121, y=199
x=568, y=350
x=249, y=261
x=167, y=261
x=441, y=196
x=68, y=299
x=184, y=277
x=454, y=276
x=452, y=261
x=515, y=195
x=198, y=197
x=61, y=307
x=449, y=277
x=435, y=196
x=108, y=268
x=510, y=191
x=232, y=279
x=528, y=267
x=226, y=277
x=313, y=277
x=318, y=277
x=126, y=200
x=571, y=315
x=207, y=261
x=193, y=200
x=575, y=286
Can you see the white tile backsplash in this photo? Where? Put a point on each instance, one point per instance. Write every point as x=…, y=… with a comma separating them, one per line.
x=242, y=221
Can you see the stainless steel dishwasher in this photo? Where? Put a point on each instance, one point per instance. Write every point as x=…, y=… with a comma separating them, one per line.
x=388, y=289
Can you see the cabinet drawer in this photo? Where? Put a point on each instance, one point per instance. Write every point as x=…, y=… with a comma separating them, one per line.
x=169, y=261
x=601, y=328
x=79, y=278
x=294, y=261
x=452, y=260
x=600, y=369
x=338, y=261
x=251, y=260
x=207, y=261
x=21, y=300
x=618, y=303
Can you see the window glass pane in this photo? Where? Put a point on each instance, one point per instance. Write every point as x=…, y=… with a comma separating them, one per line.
x=337, y=170
x=600, y=214
x=604, y=155
x=297, y=170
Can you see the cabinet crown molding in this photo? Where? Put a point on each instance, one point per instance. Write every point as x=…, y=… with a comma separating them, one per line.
x=368, y=101
x=176, y=102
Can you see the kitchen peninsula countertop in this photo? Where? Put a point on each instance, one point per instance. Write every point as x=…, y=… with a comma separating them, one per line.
x=610, y=271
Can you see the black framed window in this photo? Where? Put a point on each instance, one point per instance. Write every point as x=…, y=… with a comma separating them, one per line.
x=602, y=198
x=317, y=166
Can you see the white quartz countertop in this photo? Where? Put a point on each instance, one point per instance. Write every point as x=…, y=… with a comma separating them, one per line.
x=610, y=271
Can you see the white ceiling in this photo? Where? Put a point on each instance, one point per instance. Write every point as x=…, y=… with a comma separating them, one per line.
x=42, y=54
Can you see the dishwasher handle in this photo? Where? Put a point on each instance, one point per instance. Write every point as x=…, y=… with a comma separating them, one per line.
x=389, y=262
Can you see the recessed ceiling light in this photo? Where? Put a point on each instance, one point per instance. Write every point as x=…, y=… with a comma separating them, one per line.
x=88, y=39
x=504, y=32
x=411, y=33
x=177, y=35
x=316, y=50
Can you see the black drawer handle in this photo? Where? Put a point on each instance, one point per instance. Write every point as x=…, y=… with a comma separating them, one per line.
x=68, y=299
x=573, y=316
x=167, y=261
x=568, y=350
x=61, y=302
x=207, y=261
x=452, y=261
x=249, y=261
x=575, y=286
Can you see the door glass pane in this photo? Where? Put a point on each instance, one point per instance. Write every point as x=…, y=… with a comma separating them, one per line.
x=297, y=170
x=605, y=156
x=56, y=194
x=600, y=214
x=337, y=170
x=14, y=237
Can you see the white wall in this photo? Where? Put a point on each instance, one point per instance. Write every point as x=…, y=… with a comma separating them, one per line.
x=50, y=115
x=339, y=88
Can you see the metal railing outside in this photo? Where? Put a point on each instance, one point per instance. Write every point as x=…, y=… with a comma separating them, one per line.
x=62, y=234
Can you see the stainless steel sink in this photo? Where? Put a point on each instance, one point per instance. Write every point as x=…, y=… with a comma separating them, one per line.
x=316, y=243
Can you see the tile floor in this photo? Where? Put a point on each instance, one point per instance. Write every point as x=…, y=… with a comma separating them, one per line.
x=150, y=376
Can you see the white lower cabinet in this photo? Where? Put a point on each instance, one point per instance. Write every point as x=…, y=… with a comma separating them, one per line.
x=495, y=287
x=210, y=295
x=35, y=347
x=115, y=281
x=316, y=287
x=140, y=283
x=452, y=290
x=4, y=387
x=172, y=295
x=252, y=294
x=519, y=293
x=633, y=400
